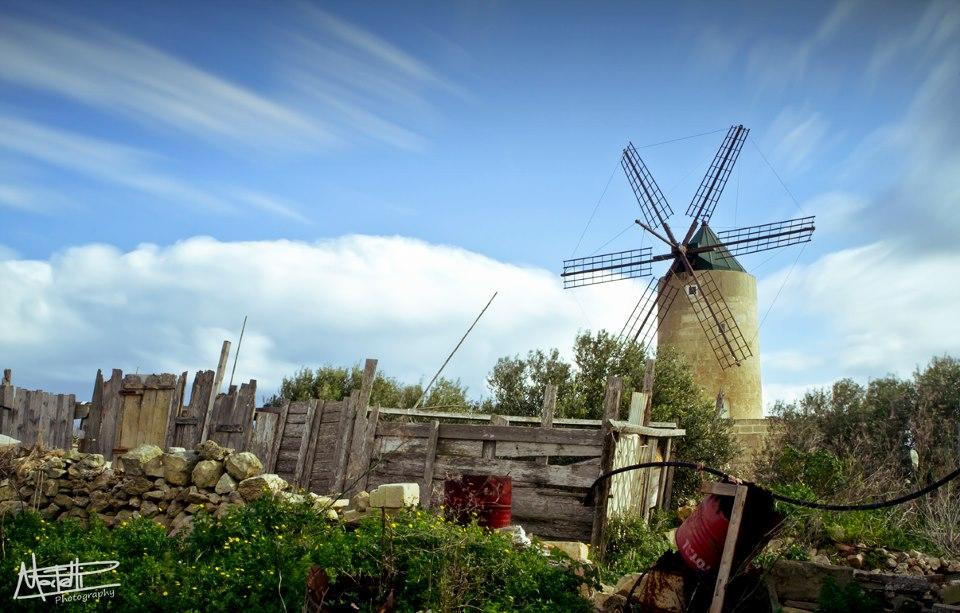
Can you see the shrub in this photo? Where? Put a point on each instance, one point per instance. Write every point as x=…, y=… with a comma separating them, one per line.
x=257, y=558
x=633, y=545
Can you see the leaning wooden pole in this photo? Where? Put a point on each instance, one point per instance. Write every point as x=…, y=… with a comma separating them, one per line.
x=217, y=382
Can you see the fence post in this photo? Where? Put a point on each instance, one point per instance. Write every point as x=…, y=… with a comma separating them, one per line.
x=611, y=406
x=431, y=456
x=546, y=417
x=648, y=374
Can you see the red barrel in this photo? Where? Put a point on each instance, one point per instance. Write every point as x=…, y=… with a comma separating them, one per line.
x=488, y=498
x=701, y=537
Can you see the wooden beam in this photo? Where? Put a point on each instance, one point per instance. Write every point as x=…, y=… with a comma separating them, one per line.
x=626, y=428
x=217, y=381
x=665, y=476
x=271, y=459
x=546, y=415
x=430, y=456
x=485, y=417
x=344, y=439
x=304, y=443
x=647, y=473
x=611, y=406
x=312, y=430
x=489, y=449
x=371, y=438
x=638, y=406
x=648, y=376
x=729, y=545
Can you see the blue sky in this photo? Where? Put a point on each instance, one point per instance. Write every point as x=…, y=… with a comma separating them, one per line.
x=358, y=178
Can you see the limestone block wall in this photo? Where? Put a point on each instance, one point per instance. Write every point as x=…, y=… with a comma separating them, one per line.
x=751, y=435
x=681, y=330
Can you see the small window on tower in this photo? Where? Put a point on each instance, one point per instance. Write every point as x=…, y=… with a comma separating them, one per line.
x=692, y=290
x=722, y=327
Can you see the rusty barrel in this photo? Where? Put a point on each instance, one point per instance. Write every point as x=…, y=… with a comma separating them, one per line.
x=487, y=497
x=700, y=538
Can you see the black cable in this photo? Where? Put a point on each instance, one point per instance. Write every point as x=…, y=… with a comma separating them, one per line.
x=588, y=499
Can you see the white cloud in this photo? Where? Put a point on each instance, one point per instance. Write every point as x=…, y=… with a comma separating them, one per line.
x=877, y=308
x=786, y=392
x=337, y=301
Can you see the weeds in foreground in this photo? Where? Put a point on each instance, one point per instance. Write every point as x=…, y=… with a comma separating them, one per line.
x=257, y=558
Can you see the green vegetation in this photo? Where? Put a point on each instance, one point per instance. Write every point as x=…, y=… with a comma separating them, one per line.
x=633, y=545
x=257, y=558
x=335, y=383
x=517, y=386
x=854, y=443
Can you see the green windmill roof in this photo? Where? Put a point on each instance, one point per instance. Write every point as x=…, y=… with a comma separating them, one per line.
x=718, y=259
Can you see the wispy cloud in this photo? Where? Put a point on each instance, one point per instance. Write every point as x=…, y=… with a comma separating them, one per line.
x=120, y=165
x=796, y=136
x=775, y=63
x=110, y=71
x=272, y=204
x=365, y=84
x=105, y=161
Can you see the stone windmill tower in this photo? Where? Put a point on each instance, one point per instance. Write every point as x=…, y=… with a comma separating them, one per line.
x=714, y=325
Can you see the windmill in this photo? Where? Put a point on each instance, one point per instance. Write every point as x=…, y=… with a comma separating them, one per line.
x=717, y=290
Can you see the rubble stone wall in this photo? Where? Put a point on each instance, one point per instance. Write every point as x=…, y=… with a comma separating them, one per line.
x=169, y=487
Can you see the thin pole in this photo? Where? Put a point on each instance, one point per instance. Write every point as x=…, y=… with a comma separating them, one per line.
x=237, y=354
x=444, y=365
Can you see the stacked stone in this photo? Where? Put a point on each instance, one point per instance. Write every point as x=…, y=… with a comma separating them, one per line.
x=169, y=487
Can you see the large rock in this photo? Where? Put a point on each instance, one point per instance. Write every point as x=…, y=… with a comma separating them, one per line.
x=178, y=466
x=136, y=486
x=8, y=491
x=211, y=450
x=87, y=466
x=207, y=472
x=226, y=484
x=135, y=461
x=395, y=496
x=243, y=465
x=255, y=487
x=7, y=441
x=12, y=507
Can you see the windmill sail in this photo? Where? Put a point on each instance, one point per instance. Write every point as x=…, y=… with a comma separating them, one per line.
x=648, y=314
x=705, y=200
x=655, y=207
x=718, y=324
x=607, y=267
x=754, y=239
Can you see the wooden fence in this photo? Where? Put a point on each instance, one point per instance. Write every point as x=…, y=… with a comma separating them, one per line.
x=344, y=446
x=29, y=415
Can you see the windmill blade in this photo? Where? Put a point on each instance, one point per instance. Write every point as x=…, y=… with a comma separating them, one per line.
x=754, y=239
x=705, y=200
x=647, y=315
x=655, y=208
x=717, y=321
x=595, y=269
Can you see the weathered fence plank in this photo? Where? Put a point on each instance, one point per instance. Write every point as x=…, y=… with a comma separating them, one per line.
x=611, y=405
